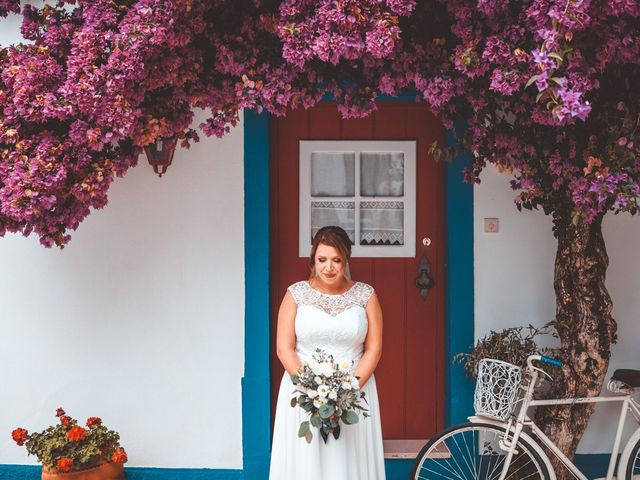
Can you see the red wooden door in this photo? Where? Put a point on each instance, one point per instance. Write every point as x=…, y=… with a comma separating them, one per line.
x=410, y=374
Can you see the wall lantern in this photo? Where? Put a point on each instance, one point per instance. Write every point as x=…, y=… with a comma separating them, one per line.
x=160, y=154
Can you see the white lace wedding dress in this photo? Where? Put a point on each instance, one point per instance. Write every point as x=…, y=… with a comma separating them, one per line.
x=338, y=325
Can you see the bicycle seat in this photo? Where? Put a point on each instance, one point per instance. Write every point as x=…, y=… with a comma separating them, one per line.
x=627, y=376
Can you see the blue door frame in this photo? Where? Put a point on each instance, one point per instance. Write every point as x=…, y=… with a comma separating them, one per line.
x=256, y=420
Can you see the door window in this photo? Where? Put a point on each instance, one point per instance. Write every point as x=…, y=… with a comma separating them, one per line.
x=366, y=187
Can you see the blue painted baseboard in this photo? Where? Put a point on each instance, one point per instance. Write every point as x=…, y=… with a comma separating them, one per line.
x=30, y=472
x=593, y=466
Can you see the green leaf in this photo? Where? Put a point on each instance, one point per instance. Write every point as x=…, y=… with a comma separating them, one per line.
x=556, y=80
x=316, y=421
x=326, y=411
x=575, y=219
x=308, y=436
x=539, y=96
x=350, y=417
x=531, y=80
x=556, y=56
x=294, y=401
x=304, y=429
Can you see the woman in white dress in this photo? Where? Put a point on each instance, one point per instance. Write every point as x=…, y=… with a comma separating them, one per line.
x=343, y=318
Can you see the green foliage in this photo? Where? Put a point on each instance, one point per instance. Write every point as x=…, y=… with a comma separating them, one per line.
x=68, y=447
x=511, y=345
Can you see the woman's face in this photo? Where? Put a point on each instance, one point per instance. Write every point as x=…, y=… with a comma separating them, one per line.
x=329, y=265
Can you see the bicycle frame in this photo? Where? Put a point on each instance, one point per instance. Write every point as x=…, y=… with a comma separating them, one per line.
x=522, y=420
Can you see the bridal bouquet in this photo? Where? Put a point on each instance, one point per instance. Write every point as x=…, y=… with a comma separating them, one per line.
x=329, y=392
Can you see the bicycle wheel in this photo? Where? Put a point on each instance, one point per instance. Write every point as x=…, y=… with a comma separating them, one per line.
x=472, y=451
x=633, y=463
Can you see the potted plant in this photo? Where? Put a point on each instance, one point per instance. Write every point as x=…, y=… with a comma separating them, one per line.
x=68, y=451
x=512, y=345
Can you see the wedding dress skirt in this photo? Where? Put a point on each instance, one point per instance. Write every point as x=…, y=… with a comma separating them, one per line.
x=336, y=324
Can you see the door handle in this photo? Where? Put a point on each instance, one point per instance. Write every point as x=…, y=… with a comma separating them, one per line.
x=424, y=282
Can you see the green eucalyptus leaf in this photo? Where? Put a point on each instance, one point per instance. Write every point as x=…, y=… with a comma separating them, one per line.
x=350, y=417
x=304, y=429
x=316, y=421
x=326, y=411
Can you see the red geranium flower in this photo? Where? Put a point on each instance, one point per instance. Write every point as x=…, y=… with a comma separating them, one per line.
x=119, y=456
x=91, y=421
x=64, y=464
x=65, y=420
x=60, y=412
x=19, y=435
x=76, y=433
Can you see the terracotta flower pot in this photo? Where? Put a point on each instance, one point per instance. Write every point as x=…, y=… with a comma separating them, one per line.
x=104, y=471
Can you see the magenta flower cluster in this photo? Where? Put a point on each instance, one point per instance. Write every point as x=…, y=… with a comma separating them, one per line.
x=543, y=86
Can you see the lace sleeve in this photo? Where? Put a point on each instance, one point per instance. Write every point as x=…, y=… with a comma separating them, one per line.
x=297, y=291
x=364, y=293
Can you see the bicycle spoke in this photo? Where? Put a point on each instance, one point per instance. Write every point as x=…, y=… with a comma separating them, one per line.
x=451, y=457
x=458, y=447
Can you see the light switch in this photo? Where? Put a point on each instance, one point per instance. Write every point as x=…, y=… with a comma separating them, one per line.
x=491, y=225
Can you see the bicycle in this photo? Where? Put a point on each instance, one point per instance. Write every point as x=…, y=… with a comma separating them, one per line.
x=501, y=442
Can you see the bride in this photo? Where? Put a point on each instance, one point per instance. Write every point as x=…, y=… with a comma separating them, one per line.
x=343, y=318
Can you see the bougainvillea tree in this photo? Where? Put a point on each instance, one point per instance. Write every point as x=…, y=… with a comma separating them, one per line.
x=547, y=90
x=94, y=82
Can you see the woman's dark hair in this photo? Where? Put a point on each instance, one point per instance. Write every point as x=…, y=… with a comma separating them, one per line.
x=332, y=236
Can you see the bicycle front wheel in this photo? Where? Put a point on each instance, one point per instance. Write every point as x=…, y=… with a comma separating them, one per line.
x=472, y=451
x=633, y=463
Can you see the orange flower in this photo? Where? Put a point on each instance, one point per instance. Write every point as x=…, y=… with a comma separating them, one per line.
x=76, y=433
x=19, y=435
x=119, y=456
x=91, y=421
x=65, y=420
x=60, y=412
x=591, y=163
x=64, y=464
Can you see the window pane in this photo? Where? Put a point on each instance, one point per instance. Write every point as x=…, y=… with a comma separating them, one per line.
x=381, y=223
x=341, y=214
x=333, y=174
x=382, y=174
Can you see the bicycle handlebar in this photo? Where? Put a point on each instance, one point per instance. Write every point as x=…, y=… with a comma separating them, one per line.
x=544, y=359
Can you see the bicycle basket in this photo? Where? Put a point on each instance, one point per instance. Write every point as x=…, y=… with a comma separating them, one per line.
x=496, y=388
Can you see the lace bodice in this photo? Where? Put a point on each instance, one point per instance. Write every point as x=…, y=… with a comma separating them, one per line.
x=357, y=295
x=335, y=323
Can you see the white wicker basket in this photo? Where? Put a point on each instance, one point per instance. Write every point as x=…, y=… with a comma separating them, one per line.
x=496, y=388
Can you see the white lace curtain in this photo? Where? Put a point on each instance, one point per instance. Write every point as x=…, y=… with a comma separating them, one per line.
x=381, y=223
x=381, y=175
x=333, y=174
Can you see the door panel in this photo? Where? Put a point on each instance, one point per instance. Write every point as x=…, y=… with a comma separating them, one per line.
x=410, y=374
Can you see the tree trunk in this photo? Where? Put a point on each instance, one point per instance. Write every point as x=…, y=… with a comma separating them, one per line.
x=586, y=330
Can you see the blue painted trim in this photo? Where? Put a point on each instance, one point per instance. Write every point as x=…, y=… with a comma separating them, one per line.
x=397, y=469
x=31, y=472
x=256, y=409
x=459, y=300
x=593, y=466
x=459, y=334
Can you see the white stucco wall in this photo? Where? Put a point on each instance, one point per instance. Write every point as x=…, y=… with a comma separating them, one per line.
x=514, y=281
x=140, y=320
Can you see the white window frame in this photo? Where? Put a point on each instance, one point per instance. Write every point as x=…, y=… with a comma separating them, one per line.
x=407, y=147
